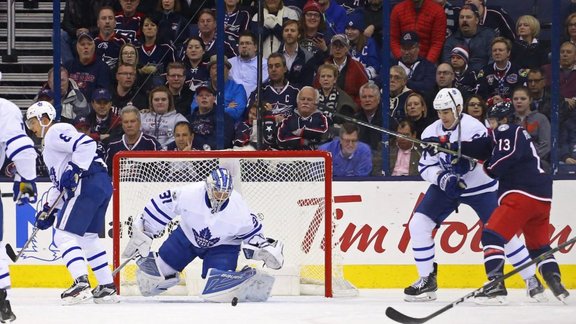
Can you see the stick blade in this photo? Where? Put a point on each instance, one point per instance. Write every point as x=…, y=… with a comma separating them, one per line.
x=11, y=253
x=402, y=318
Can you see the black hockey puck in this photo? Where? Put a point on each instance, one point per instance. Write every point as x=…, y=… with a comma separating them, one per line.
x=234, y=301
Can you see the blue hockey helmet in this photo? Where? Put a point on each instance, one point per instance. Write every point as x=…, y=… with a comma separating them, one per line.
x=219, y=187
x=502, y=110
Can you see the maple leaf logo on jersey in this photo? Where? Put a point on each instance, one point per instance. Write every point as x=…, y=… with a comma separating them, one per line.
x=204, y=238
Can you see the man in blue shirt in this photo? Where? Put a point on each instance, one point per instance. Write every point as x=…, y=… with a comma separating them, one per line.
x=350, y=157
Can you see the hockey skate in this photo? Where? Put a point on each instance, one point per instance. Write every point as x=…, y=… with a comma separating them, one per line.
x=6, y=314
x=78, y=292
x=424, y=289
x=535, y=290
x=105, y=294
x=555, y=284
x=494, y=295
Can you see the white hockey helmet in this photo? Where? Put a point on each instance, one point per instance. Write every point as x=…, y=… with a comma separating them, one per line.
x=39, y=109
x=219, y=187
x=449, y=98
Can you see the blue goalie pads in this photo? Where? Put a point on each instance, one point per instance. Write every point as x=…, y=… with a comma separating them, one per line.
x=248, y=285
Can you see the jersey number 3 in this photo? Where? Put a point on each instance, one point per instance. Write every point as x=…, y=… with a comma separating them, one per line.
x=504, y=144
x=65, y=138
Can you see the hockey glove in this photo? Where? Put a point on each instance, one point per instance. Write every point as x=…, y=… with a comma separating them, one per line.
x=140, y=242
x=24, y=191
x=45, y=220
x=69, y=180
x=266, y=249
x=462, y=166
x=431, y=144
x=451, y=185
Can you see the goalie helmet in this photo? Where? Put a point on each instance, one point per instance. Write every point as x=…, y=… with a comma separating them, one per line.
x=219, y=188
x=502, y=110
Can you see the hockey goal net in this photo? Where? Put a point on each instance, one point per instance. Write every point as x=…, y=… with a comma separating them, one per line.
x=290, y=191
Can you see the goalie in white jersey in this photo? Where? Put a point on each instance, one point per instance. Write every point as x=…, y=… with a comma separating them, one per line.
x=454, y=182
x=19, y=148
x=214, y=222
x=76, y=171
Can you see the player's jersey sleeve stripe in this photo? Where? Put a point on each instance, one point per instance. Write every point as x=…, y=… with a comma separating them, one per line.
x=160, y=210
x=252, y=233
x=76, y=142
x=22, y=148
x=154, y=217
x=8, y=142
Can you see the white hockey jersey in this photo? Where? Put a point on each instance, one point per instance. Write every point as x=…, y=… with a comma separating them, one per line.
x=63, y=144
x=430, y=166
x=232, y=225
x=14, y=143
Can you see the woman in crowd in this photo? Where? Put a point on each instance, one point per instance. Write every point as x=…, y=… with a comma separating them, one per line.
x=195, y=61
x=476, y=107
x=313, y=29
x=153, y=55
x=332, y=98
x=173, y=28
x=417, y=112
x=160, y=120
x=527, y=51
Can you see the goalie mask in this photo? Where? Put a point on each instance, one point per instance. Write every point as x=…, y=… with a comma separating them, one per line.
x=219, y=188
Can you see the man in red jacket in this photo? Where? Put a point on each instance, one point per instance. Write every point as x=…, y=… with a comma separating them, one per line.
x=427, y=18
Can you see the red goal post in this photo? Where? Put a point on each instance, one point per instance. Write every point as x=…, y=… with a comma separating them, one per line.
x=291, y=191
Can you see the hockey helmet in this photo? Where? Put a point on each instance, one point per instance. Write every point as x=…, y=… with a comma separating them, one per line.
x=500, y=111
x=39, y=109
x=219, y=188
x=449, y=98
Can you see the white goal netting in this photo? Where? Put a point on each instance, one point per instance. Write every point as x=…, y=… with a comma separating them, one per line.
x=289, y=191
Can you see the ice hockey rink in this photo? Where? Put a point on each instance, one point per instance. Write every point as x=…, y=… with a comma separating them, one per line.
x=32, y=305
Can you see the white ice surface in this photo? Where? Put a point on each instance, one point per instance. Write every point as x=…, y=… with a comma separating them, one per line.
x=43, y=306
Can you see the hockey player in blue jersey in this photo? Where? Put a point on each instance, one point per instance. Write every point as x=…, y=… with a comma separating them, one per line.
x=76, y=170
x=215, y=222
x=453, y=182
x=19, y=148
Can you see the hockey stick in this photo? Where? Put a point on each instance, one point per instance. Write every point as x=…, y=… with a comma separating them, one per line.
x=393, y=133
x=7, y=194
x=125, y=263
x=10, y=251
x=402, y=318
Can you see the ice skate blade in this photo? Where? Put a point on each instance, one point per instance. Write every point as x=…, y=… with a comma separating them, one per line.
x=540, y=298
x=112, y=299
x=80, y=298
x=424, y=297
x=495, y=301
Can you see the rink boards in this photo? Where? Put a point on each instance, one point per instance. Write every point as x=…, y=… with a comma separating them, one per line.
x=371, y=228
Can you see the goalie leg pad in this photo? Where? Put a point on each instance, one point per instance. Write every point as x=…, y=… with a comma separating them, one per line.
x=151, y=281
x=248, y=285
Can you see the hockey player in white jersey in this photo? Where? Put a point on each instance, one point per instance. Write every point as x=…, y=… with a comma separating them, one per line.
x=76, y=170
x=215, y=222
x=454, y=181
x=19, y=148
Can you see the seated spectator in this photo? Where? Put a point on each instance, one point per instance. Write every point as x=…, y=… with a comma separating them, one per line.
x=173, y=27
x=153, y=55
x=305, y=129
x=275, y=13
x=246, y=132
x=371, y=113
x=127, y=92
x=570, y=28
x=234, y=95
x=300, y=63
x=196, y=68
x=539, y=93
x=102, y=124
x=527, y=51
x=421, y=73
x=245, y=65
x=472, y=36
x=73, y=101
x=128, y=55
x=404, y=155
x=334, y=15
x=88, y=71
x=182, y=96
x=502, y=76
x=350, y=158
x=133, y=139
x=398, y=94
x=108, y=43
x=332, y=98
x=313, y=29
x=129, y=21
x=430, y=28
x=352, y=73
x=203, y=122
x=535, y=123
x=183, y=137
x=495, y=18
x=476, y=107
x=237, y=22
x=206, y=30
x=159, y=121
x=567, y=74
x=417, y=112
x=362, y=48
x=464, y=78
x=444, y=79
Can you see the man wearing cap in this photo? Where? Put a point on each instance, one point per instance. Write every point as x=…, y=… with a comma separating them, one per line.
x=87, y=70
x=476, y=38
x=352, y=73
x=234, y=95
x=204, y=125
x=496, y=18
x=464, y=79
x=362, y=48
x=427, y=19
x=103, y=124
x=421, y=73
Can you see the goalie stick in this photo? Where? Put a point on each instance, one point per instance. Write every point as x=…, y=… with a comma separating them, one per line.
x=125, y=263
x=10, y=251
x=403, y=318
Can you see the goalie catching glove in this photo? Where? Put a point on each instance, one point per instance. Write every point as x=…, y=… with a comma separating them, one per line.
x=266, y=249
x=140, y=242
